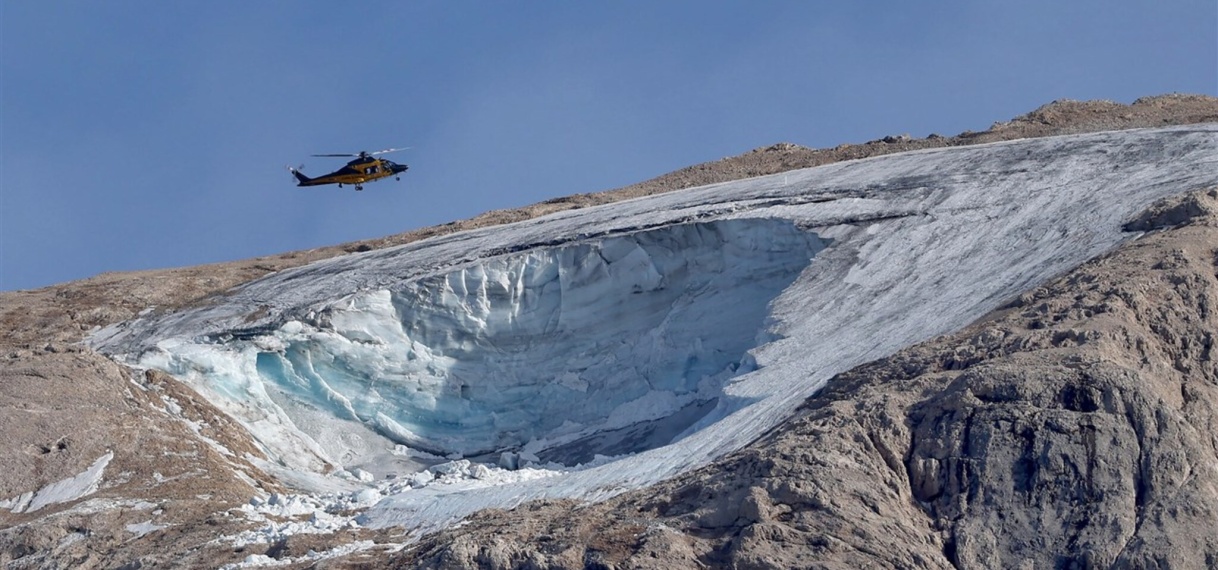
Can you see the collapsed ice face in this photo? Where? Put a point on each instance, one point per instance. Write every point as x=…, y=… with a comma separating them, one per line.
x=605, y=346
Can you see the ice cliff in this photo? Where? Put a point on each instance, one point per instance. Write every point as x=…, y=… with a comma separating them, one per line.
x=546, y=346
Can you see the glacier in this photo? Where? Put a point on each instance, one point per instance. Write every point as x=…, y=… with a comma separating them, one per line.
x=552, y=345
x=626, y=343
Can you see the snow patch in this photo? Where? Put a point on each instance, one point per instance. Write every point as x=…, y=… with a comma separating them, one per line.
x=264, y=561
x=281, y=515
x=140, y=529
x=81, y=485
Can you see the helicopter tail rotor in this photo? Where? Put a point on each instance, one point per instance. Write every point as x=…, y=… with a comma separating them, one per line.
x=301, y=179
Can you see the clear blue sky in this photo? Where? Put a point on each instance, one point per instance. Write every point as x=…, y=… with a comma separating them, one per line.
x=138, y=135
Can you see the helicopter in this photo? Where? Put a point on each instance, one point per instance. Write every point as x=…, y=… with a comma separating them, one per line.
x=365, y=168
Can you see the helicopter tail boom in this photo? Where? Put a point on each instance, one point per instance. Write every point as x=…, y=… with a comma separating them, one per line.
x=301, y=179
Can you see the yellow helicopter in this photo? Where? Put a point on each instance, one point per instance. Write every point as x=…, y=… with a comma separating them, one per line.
x=365, y=168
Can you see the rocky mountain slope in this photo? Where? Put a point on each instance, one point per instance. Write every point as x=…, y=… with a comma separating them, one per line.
x=1074, y=426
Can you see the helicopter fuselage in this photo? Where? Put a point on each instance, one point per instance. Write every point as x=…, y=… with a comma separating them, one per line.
x=355, y=173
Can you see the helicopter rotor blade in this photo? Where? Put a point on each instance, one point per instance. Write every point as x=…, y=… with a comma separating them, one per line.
x=362, y=154
x=388, y=150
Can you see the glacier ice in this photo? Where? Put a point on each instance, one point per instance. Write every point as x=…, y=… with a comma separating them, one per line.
x=750, y=296
x=603, y=346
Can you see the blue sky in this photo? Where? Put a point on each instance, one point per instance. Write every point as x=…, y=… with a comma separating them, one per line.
x=140, y=135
